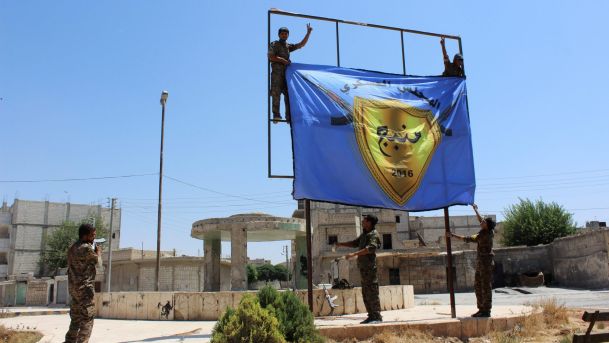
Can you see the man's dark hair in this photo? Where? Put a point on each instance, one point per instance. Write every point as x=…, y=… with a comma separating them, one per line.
x=283, y=29
x=371, y=218
x=490, y=223
x=85, y=229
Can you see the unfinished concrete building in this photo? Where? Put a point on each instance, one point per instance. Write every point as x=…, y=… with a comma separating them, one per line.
x=25, y=226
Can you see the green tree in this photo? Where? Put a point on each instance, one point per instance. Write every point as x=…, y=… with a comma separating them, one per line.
x=281, y=273
x=252, y=274
x=55, y=255
x=532, y=223
x=266, y=272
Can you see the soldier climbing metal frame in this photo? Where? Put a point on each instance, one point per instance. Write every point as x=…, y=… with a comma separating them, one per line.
x=273, y=11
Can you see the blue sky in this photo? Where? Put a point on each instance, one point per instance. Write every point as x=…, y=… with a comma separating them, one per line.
x=80, y=83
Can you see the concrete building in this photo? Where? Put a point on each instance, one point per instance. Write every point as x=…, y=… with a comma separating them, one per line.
x=134, y=270
x=25, y=226
x=400, y=234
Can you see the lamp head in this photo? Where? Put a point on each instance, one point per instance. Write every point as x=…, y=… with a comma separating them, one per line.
x=164, y=96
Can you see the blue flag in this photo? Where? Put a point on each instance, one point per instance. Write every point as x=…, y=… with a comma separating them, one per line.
x=380, y=140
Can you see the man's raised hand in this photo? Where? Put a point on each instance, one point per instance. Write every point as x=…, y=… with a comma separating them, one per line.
x=309, y=28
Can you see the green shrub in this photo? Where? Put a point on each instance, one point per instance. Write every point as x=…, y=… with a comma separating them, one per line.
x=267, y=295
x=248, y=323
x=532, y=223
x=295, y=320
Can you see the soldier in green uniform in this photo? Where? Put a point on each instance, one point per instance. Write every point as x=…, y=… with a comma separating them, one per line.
x=82, y=260
x=367, y=243
x=454, y=68
x=484, y=264
x=279, y=56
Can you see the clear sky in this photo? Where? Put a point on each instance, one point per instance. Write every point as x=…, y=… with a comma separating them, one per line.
x=80, y=85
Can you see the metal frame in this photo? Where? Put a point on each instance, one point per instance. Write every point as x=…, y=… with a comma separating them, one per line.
x=274, y=11
x=449, y=270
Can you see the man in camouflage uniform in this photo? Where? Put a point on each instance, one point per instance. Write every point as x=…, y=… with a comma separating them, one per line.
x=82, y=260
x=484, y=264
x=454, y=68
x=279, y=56
x=367, y=243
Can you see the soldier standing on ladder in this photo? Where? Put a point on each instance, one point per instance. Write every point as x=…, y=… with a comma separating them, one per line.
x=279, y=56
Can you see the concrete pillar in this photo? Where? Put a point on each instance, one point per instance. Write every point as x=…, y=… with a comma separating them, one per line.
x=238, y=270
x=212, y=248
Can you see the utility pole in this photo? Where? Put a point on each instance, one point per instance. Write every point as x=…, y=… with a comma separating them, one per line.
x=287, y=263
x=157, y=283
x=110, y=234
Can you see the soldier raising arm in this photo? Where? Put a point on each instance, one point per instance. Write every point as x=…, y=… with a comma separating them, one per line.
x=279, y=56
x=484, y=263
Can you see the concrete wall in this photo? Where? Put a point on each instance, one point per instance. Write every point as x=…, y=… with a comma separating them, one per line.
x=211, y=305
x=582, y=261
x=176, y=274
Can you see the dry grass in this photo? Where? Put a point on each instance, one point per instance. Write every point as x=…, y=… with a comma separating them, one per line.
x=552, y=320
x=18, y=336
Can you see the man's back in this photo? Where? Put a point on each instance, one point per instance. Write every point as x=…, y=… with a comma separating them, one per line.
x=81, y=270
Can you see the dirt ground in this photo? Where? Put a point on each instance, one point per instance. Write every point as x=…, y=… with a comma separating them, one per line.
x=22, y=335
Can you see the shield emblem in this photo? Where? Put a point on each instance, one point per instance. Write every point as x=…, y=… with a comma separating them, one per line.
x=397, y=142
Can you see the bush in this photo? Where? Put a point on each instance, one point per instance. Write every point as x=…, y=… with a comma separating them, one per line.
x=295, y=320
x=532, y=223
x=248, y=323
x=267, y=295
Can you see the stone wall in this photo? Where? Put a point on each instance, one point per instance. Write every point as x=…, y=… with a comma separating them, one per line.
x=582, y=261
x=211, y=305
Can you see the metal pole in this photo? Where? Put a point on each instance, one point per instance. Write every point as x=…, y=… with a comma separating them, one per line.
x=309, y=255
x=110, y=245
x=337, y=47
x=384, y=27
x=449, y=268
x=268, y=98
x=158, y=232
x=403, y=57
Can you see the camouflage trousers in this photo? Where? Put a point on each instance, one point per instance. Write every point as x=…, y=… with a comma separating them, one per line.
x=370, y=292
x=484, y=282
x=82, y=312
x=278, y=87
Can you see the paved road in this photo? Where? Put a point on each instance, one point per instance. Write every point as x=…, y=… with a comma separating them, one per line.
x=515, y=296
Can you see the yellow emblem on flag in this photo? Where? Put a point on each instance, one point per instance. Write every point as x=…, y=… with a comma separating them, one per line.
x=397, y=142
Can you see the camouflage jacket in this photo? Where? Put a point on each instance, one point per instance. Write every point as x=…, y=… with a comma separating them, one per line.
x=452, y=69
x=82, y=261
x=279, y=49
x=371, y=241
x=484, y=238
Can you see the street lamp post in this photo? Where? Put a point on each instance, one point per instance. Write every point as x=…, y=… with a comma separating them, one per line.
x=157, y=287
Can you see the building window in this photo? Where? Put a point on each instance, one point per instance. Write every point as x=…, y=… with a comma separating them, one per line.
x=394, y=276
x=387, y=241
x=332, y=239
x=398, y=219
